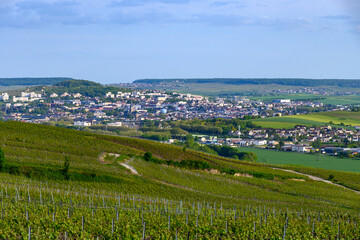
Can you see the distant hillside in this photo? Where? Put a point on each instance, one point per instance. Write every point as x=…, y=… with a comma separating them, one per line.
x=77, y=83
x=31, y=81
x=353, y=83
x=84, y=87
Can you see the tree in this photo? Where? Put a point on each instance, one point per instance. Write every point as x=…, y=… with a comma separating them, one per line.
x=317, y=144
x=66, y=168
x=280, y=145
x=346, y=141
x=228, y=151
x=178, y=132
x=2, y=160
x=90, y=115
x=148, y=156
x=248, y=156
x=189, y=140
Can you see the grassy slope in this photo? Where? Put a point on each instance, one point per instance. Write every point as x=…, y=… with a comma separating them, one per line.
x=345, y=171
x=337, y=117
x=44, y=148
x=309, y=160
x=313, y=119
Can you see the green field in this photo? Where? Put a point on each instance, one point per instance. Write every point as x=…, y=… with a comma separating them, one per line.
x=337, y=117
x=216, y=89
x=329, y=99
x=313, y=119
x=259, y=92
x=286, y=122
x=302, y=159
x=12, y=88
x=102, y=199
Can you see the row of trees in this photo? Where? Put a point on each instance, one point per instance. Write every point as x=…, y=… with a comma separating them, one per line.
x=212, y=130
x=227, y=151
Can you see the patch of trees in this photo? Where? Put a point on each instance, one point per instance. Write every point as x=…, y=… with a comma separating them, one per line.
x=190, y=143
x=211, y=130
x=347, y=154
x=84, y=87
x=157, y=136
x=178, y=132
x=227, y=151
x=215, y=124
x=152, y=129
x=77, y=83
x=110, y=128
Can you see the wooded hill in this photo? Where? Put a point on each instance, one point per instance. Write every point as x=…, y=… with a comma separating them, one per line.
x=349, y=83
x=31, y=81
x=84, y=87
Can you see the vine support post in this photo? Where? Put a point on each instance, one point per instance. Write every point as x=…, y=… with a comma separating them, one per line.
x=82, y=223
x=144, y=229
x=112, y=227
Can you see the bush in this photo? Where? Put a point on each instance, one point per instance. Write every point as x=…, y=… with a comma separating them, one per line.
x=248, y=156
x=192, y=164
x=15, y=170
x=2, y=160
x=148, y=156
x=66, y=168
x=228, y=171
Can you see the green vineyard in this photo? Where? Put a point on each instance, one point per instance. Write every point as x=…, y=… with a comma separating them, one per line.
x=55, y=210
x=111, y=192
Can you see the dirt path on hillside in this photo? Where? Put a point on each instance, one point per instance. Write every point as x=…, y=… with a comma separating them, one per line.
x=128, y=166
x=101, y=157
x=125, y=164
x=317, y=179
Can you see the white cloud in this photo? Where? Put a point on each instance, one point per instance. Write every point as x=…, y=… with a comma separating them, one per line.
x=279, y=14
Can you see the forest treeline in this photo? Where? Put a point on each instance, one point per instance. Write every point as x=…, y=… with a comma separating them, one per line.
x=32, y=81
x=352, y=83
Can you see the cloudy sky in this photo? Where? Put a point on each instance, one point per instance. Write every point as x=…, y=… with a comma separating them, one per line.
x=112, y=41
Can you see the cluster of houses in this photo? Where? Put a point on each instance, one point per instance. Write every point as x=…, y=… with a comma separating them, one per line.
x=27, y=97
x=298, y=139
x=307, y=134
x=131, y=108
x=140, y=105
x=324, y=91
x=288, y=146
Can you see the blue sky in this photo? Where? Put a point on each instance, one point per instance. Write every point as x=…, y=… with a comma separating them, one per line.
x=112, y=41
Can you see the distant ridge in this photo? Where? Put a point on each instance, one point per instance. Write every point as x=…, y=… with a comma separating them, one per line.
x=351, y=83
x=32, y=81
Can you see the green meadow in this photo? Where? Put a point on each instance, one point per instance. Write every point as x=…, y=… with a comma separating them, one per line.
x=314, y=119
x=337, y=117
x=303, y=159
